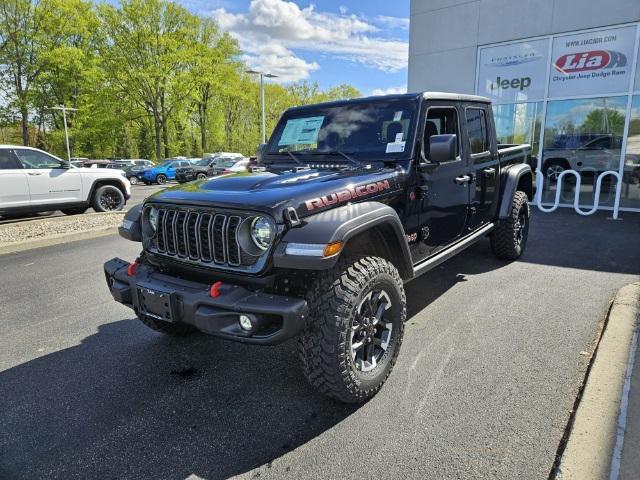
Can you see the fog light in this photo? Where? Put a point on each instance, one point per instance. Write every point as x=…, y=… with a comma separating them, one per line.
x=245, y=322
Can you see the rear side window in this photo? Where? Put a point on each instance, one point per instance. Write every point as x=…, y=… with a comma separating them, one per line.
x=477, y=130
x=36, y=159
x=8, y=161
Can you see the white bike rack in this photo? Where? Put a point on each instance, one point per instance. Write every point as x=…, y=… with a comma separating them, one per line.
x=576, y=197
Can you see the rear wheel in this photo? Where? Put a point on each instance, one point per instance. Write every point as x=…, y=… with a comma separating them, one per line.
x=355, y=328
x=509, y=240
x=74, y=211
x=161, y=179
x=108, y=199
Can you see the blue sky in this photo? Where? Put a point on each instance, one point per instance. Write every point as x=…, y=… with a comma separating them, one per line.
x=360, y=42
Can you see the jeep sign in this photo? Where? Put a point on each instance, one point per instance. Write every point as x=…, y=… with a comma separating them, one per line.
x=592, y=63
x=513, y=73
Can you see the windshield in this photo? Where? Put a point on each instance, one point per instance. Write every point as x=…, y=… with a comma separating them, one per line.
x=382, y=129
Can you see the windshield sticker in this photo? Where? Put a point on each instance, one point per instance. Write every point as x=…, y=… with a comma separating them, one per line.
x=399, y=137
x=395, y=147
x=301, y=131
x=397, y=116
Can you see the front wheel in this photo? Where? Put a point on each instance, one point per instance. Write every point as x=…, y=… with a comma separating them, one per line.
x=108, y=199
x=355, y=328
x=161, y=179
x=509, y=239
x=133, y=180
x=201, y=176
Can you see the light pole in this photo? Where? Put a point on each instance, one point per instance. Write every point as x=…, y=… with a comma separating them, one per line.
x=64, y=119
x=262, y=77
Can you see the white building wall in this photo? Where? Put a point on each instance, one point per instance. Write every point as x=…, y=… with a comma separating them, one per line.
x=445, y=34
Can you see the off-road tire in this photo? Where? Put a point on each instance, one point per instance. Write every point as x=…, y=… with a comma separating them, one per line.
x=177, y=329
x=505, y=241
x=115, y=191
x=161, y=179
x=324, y=347
x=74, y=211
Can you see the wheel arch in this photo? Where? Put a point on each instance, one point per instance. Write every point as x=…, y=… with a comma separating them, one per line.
x=514, y=178
x=368, y=228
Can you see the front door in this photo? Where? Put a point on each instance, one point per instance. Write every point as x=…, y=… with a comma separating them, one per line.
x=443, y=185
x=485, y=167
x=49, y=181
x=14, y=188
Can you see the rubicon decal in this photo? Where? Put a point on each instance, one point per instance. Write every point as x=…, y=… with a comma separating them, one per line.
x=349, y=193
x=592, y=60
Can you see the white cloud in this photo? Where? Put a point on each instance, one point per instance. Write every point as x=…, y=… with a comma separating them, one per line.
x=272, y=29
x=389, y=91
x=392, y=22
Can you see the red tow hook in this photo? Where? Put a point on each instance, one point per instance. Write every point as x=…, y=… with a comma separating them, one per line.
x=132, y=268
x=215, y=290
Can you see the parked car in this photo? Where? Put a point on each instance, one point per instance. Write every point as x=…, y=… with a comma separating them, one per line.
x=319, y=246
x=134, y=173
x=229, y=165
x=198, y=170
x=583, y=152
x=32, y=180
x=96, y=163
x=161, y=174
x=136, y=162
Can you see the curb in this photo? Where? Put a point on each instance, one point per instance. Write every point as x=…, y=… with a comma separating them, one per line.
x=57, y=240
x=594, y=432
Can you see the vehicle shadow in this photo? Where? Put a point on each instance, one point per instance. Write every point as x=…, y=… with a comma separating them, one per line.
x=127, y=402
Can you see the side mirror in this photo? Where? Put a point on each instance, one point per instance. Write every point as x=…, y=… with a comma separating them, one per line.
x=260, y=152
x=442, y=148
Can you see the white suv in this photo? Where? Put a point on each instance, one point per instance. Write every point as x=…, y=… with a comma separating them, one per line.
x=34, y=181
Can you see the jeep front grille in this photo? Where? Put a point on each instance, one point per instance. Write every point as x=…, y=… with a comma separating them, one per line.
x=200, y=236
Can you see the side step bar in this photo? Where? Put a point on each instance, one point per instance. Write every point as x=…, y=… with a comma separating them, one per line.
x=454, y=249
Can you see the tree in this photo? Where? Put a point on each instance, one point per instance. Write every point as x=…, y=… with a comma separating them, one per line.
x=151, y=51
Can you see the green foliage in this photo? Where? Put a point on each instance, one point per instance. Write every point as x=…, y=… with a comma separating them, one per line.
x=148, y=79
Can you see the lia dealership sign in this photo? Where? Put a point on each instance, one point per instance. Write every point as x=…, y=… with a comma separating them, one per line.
x=592, y=63
x=515, y=72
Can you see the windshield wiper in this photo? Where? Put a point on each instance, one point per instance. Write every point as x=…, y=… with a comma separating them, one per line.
x=351, y=159
x=294, y=157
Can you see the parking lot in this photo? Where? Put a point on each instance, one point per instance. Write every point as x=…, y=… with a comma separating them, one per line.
x=490, y=366
x=138, y=194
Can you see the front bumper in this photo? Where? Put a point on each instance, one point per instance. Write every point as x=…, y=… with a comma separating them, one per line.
x=277, y=318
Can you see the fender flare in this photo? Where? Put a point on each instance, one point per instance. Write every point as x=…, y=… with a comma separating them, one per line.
x=510, y=180
x=342, y=224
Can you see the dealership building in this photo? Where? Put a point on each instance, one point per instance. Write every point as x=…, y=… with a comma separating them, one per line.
x=564, y=76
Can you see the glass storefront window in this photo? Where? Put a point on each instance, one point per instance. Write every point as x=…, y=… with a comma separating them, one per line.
x=630, y=196
x=584, y=135
x=519, y=123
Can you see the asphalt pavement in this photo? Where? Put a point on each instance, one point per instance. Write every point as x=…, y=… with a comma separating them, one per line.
x=483, y=388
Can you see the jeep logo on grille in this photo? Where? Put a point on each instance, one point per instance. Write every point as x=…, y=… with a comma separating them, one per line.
x=349, y=193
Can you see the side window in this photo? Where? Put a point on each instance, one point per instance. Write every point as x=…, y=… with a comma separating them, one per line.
x=8, y=161
x=36, y=159
x=477, y=130
x=440, y=121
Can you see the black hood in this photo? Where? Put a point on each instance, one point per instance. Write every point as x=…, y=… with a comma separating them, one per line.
x=308, y=191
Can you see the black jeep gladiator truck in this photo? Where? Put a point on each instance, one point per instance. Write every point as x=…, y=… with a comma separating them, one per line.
x=352, y=200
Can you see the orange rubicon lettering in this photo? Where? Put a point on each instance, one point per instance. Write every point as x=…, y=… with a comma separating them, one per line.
x=349, y=193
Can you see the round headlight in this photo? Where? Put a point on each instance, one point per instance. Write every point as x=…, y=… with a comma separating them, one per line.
x=262, y=232
x=153, y=218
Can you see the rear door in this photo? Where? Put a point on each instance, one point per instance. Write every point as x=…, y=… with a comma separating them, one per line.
x=485, y=164
x=443, y=189
x=49, y=182
x=14, y=187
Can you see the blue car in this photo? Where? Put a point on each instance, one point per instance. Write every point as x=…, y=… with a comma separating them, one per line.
x=162, y=173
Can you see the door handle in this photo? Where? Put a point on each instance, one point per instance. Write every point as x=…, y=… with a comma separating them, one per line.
x=489, y=171
x=34, y=173
x=462, y=179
